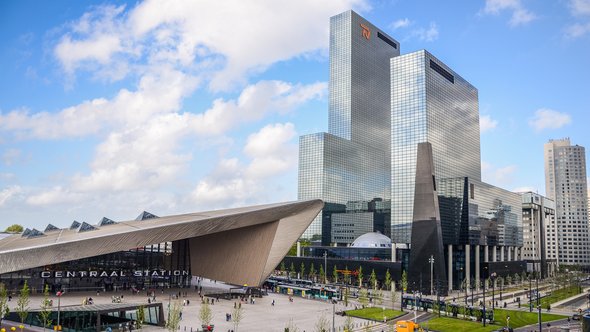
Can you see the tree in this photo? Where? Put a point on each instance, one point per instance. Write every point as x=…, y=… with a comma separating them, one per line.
x=292, y=270
x=388, y=280
x=394, y=296
x=345, y=296
x=363, y=297
x=291, y=327
x=302, y=270
x=360, y=276
x=282, y=268
x=378, y=295
x=22, y=306
x=348, y=324
x=404, y=287
x=205, y=314
x=322, y=325
x=174, y=316
x=346, y=275
x=322, y=274
x=237, y=316
x=373, y=279
x=312, y=272
x=140, y=316
x=508, y=280
x=335, y=274
x=16, y=228
x=45, y=312
x=3, y=302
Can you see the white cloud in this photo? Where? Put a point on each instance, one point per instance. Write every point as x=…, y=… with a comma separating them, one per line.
x=486, y=123
x=9, y=193
x=430, y=34
x=54, y=196
x=579, y=7
x=499, y=176
x=272, y=153
x=197, y=35
x=520, y=15
x=549, y=119
x=11, y=156
x=401, y=23
x=577, y=30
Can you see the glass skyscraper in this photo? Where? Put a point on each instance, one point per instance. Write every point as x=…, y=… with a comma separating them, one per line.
x=429, y=103
x=351, y=161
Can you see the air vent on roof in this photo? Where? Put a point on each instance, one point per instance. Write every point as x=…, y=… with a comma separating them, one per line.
x=387, y=40
x=26, y=232
x=75, y=225
x=106, y=221
x=50, y=228
x=146, y=215
x=35, y=233
x=85, y=227
x=437, y=68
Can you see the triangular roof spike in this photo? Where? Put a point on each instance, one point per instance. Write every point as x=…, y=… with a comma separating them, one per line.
x=146, y=215
x=26, y=232
x=85, y=227
x=106, y=221
x=50, y=228
x=75, y=225
x=35, y=233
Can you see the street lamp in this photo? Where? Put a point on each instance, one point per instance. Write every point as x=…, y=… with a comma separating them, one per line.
x=326, y=267
x=493, y=278
x=333, y=314
x=431, y=261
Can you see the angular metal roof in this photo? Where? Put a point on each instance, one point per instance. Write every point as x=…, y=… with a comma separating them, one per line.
x=240, y=246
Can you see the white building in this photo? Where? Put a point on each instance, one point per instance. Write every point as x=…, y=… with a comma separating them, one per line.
x=566, y=184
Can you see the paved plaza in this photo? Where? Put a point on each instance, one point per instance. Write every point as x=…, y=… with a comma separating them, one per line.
x=261, y=316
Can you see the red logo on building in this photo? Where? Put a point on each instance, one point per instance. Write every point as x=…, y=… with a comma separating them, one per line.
x=366, y=31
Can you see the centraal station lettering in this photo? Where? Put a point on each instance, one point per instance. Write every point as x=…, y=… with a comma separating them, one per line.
x=108, y=274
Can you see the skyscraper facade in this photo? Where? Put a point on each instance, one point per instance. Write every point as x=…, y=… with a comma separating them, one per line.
x=566, y=184
x=539, y=231
x=351, y=161
x=429, y=103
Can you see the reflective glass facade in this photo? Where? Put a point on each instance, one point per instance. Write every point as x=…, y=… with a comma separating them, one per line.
x=429, y=103
x=476, y=213
x=351, y=162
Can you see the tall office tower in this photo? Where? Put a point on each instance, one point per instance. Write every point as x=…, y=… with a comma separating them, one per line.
x=539, y=232
x=350, y=163
x=429, y=103
x=565, y=183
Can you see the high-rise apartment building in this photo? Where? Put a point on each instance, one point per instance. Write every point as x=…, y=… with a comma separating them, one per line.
x=566, y=184
x=350, y=163
x=539, y=249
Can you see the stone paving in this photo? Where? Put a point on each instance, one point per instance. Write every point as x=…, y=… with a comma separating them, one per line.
x=261, y=316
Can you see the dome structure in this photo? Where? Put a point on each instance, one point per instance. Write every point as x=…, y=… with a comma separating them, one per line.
x=372, y=240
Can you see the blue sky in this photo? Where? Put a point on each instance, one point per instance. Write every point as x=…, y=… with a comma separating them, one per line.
x=110, y=108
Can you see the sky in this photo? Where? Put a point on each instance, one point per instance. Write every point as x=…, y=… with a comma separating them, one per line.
x=110, y=108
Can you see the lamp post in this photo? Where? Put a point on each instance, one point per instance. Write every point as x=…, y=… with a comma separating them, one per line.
x=326, y=267
x=538, y=302
x=530, y=294
x=59, y=294
x=431, y=261
x=484, y=301
x=333, y=314
x=493, y=278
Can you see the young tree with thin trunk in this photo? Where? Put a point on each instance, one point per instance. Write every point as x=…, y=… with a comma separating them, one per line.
x=292, y=270
x=302, y=270
x=373, y=279
x=404, y=287
x=205, y=314
x=363, y=297
x=174, y=316
x=237, y=316
x=45, y=312
x=322, y=274
x=140, y=316
x=312, y=272
x=335, y=274
x=360, y=276
x=387, y=280
x=322, y=325
x=3, y=302
x=22, y=306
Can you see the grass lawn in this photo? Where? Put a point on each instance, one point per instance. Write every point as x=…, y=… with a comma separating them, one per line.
x=522, y=318
x=374, y=313
x=445, y=324
x=517, y=319
x=560, y=294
